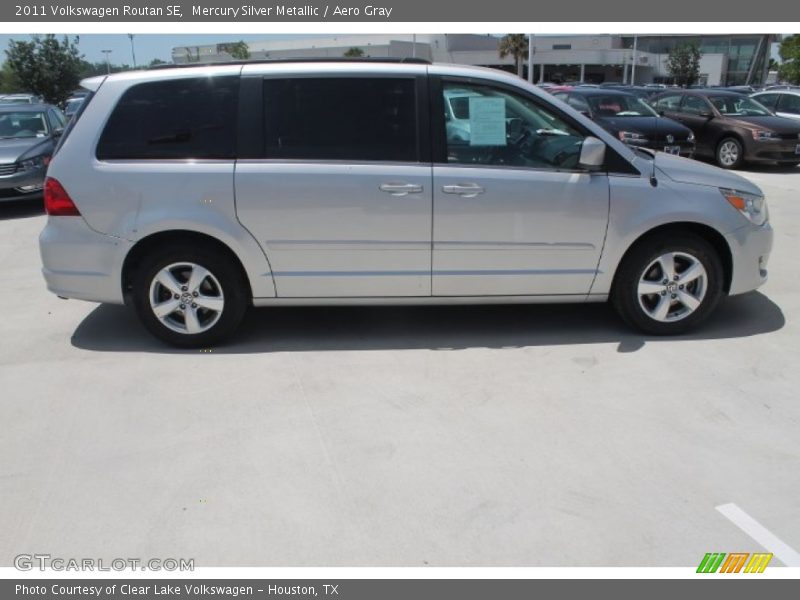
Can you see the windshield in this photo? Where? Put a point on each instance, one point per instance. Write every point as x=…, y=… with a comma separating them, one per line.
x=22, y=125
x=619, y=106
x=739, y=106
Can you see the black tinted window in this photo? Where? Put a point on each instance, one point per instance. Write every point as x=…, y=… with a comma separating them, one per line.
x=181, y=118
x=341, y=119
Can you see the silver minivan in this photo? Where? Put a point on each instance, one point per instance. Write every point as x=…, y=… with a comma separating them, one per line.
x=193, y=193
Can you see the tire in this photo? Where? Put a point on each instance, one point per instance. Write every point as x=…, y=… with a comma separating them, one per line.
x=207, y=309
x=729, y=153
x=639, y=291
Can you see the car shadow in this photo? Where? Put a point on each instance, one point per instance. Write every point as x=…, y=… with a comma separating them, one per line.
x=21, y=209
x=111, y=328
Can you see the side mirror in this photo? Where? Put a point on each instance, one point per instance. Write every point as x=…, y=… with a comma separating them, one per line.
x=705, y=114
x=593, y=154
x=58, y=132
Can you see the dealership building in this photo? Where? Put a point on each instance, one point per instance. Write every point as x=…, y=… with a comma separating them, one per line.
x=726, y=59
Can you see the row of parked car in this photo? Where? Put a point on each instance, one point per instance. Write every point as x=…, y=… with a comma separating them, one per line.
x=29, y=132
x=724, y=125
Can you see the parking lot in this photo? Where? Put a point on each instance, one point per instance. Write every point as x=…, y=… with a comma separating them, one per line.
x=445, y=436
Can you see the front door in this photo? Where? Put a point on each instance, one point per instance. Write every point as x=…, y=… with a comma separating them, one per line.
x=340, y=198
x=512, y=214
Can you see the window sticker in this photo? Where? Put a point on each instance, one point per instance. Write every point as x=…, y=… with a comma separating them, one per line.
x=487, y=121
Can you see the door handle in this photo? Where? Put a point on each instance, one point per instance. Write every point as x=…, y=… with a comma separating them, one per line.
x=466, y=190
x=400, y=189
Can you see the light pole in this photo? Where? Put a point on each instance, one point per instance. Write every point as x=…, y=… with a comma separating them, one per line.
x=108, y=62
x=530, y=57
x=633, y=62
x=133, y=50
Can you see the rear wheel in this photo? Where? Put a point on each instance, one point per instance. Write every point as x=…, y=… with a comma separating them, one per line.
x=189, y=297
x=730, y=153
x=668, y=284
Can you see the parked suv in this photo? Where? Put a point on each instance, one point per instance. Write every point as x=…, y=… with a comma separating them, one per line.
x=732, y=128
x=193, y=193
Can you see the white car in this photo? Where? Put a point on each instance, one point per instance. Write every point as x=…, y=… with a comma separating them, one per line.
x=784, y=103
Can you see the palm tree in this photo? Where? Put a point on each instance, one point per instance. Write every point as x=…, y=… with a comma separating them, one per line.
x=516, y=45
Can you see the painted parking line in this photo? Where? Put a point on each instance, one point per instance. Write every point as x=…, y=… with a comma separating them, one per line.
x=782, y=551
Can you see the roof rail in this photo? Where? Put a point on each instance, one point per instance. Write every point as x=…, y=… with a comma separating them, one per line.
x=324, y=59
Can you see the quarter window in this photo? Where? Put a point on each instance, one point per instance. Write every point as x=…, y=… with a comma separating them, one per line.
x=485, y=125
x=174, y=119
x=364, y=119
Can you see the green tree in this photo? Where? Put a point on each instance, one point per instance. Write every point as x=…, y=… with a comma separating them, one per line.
x=46, y=66
x=683, y=63
x=516, y=45
x=157, y=61
x=239, y=50
x=789, y=52
x=8, y=80
x=354, y=52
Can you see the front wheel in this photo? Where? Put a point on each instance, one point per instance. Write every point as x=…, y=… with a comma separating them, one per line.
x=189, y=297
x=668, y=284
x=730, y=153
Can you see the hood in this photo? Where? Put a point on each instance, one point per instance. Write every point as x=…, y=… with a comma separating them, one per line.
x=686, y=170
x=776, y=124
x=649, y=126
x=13, y=148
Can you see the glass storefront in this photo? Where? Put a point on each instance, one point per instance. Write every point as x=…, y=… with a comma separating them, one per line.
x=745, y=53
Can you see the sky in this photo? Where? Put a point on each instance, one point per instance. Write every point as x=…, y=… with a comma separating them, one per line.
x=147, y=46
x=150, y=46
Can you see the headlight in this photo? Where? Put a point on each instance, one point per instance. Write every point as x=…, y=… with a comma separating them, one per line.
x=764, y=136
x=753, y=207
x=631, y=136
x=34, y=163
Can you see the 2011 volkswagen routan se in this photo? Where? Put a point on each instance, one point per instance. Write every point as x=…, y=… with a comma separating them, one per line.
x=192, y=193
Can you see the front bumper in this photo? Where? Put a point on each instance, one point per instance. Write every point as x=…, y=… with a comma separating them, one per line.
x=750, y=247
x=78, y=262
x=22, y=185
x=686, y=149
x=773, y=151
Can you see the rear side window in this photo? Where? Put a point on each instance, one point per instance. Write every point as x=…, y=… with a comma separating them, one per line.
x=365, y=119
x=174, y=119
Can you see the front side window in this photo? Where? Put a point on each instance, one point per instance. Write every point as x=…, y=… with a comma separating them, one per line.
x=669, y=102
x=57, y=119
x=738, y=106
x=578, y=103
x=174, y=119
x=22, y=124
x=694, y=105
x=620, y=105
x=768, y=100
x=341, y=118
x=485, y=125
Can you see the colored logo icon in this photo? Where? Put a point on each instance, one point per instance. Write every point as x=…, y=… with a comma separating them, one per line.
x=734, y=562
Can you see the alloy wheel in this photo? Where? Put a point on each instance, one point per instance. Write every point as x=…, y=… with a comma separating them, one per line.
x=672, y=287
x=186, y=297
